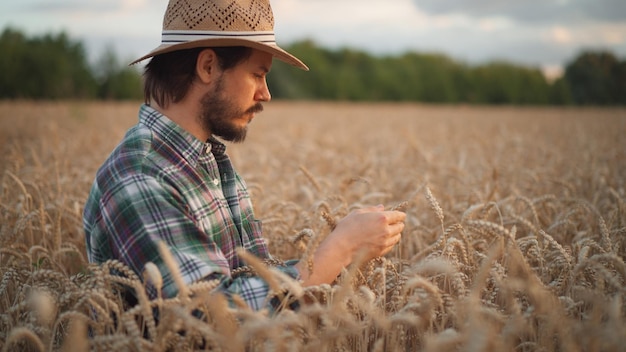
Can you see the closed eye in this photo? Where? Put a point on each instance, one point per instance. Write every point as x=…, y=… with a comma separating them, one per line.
x=264, y=71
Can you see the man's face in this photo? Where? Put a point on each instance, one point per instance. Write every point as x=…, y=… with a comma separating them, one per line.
x=235, y=97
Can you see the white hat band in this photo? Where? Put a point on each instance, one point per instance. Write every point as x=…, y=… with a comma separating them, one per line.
x=183, y=36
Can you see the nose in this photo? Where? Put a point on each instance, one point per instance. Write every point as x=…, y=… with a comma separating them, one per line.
x=263, y=92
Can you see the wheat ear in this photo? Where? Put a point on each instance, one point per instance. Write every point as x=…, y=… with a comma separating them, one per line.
x=310, y=177
x=261, y=269
x=434, y=205
x=22, y=333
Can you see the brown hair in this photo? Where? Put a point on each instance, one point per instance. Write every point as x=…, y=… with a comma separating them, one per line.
x=168, y=77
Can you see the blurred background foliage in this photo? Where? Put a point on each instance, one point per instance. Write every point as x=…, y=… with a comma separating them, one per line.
x=54, y=66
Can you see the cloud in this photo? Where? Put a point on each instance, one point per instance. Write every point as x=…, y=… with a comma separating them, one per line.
x=80, y=16
x=131, y=27
x=51, y=7
x=532, y=11
x=467, y=34
x=344, y=13
x=560, y=35
x=71, y=12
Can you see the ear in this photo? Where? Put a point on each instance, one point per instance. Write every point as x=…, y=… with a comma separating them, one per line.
x=206, y=65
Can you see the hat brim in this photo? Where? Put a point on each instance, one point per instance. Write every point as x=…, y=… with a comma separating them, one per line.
x=275, y=50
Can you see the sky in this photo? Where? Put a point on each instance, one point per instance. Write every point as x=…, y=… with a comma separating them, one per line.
x=539, y=33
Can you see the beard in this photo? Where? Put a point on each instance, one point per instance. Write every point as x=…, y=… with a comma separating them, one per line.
x=218, y=115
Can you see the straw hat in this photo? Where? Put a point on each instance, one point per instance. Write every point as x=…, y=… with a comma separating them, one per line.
x=198, y=23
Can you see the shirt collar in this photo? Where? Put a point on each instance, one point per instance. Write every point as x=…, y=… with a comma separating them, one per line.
x=217, y=147
x=190, y=147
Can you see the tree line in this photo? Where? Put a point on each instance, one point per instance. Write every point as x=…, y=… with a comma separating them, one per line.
x=592, y=78
x=53, y=66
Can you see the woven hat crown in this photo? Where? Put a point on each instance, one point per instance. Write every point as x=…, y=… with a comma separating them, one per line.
x=219, y=15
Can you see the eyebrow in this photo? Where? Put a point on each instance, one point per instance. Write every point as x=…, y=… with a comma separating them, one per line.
x=264, y=68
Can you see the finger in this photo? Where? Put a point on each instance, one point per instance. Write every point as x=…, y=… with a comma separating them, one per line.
x=390, y=247
x=394, y=216
x=396, y=228
x=393, y=240
x=386, y=250
x=378, y=207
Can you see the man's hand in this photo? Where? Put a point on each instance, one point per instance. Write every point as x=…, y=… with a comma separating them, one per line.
x=372, y=231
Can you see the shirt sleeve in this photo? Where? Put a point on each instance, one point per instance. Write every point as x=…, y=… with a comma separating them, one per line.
x=254, y=290
x=140, y=212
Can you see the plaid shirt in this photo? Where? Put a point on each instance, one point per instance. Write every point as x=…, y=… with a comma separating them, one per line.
x=163, y=184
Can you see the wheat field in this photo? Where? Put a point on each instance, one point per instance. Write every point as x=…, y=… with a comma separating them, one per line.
x=515, y=236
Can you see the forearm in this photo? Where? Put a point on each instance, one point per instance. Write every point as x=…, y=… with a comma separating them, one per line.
x=328, y=261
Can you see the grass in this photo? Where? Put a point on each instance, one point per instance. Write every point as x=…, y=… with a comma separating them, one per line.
x=515, y=236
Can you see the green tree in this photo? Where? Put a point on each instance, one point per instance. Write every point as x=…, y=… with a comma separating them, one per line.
x=596, y=78
x=115, y=80
x=560, y=93
x=285, y=82
x=348, y=74
x=51, y=66
x=506, y=83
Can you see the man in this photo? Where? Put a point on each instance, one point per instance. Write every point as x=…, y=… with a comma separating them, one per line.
x=170, y=180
